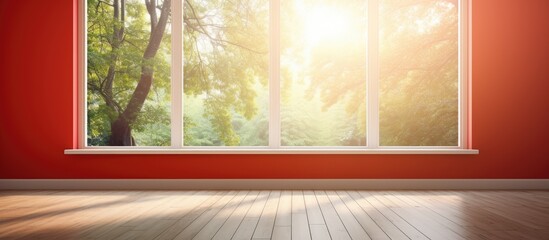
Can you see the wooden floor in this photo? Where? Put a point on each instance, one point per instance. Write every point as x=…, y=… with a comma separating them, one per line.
x=297, y=215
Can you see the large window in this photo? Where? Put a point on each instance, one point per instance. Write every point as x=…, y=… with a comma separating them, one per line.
x=203, y=75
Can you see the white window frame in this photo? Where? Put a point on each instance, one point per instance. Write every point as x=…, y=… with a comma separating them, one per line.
x=177, y=145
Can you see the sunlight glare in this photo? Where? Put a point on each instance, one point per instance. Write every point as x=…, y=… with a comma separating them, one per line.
x=324, y=23
x=433, y=18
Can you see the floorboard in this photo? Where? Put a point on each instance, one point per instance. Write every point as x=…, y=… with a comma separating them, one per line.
x=276, y=214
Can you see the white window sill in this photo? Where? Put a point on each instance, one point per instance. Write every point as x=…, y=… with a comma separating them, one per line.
x=267, y=151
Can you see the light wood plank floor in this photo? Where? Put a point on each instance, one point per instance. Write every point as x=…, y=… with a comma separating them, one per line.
x=298, y=215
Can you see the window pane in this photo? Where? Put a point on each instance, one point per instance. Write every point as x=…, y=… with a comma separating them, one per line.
x=323, y=72
x=128, y=89
x=419, y=73
x=226, y=73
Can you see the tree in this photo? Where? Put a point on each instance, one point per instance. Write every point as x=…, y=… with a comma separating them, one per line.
x=323, y=63
x=121, y=127
x=419, y=79
x=123, y=116
x=226, y=70
x=226, y=56
x=224, y=61
x=418, y=56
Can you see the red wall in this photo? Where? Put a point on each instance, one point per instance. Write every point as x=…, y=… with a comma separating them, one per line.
x=510, y=108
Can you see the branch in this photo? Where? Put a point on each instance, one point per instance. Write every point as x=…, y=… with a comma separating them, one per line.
x=133, y=44
x=143, y=87
x=151, y=8
x=111, y=103
x=156, y=35
x=219, y=41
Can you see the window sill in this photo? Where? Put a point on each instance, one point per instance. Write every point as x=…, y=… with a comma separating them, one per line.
x=269, y=151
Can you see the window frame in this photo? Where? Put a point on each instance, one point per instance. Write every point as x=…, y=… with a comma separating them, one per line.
x=274, y=147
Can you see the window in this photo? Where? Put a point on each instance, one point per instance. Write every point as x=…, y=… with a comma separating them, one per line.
x=278, y=75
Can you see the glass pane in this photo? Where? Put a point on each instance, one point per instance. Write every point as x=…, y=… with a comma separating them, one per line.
x=226, y=73
x=128, y=88
x=323, y=72
x=419, y=73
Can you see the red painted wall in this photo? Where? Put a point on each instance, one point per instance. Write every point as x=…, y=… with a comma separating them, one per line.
x=510, y=108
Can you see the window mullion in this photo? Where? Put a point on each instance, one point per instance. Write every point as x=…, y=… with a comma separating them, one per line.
x=177, y=75
x=373, y=75
x=274, y=74
x=464, y=64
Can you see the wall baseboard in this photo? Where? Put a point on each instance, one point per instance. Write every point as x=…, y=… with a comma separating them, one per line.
x=211, y=184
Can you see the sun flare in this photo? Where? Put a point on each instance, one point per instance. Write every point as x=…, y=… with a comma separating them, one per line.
x=325, y=23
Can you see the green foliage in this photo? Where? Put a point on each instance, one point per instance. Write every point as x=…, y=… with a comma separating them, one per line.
x=323, y=73
x=418, y=72
x=226, y=46
x=305, y=122
x=323, y=76
x=251, y=132
x=152, y=125
x=419, y=79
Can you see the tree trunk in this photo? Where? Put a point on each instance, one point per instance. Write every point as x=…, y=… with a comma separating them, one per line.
x=116, y=41
x=121, y=131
